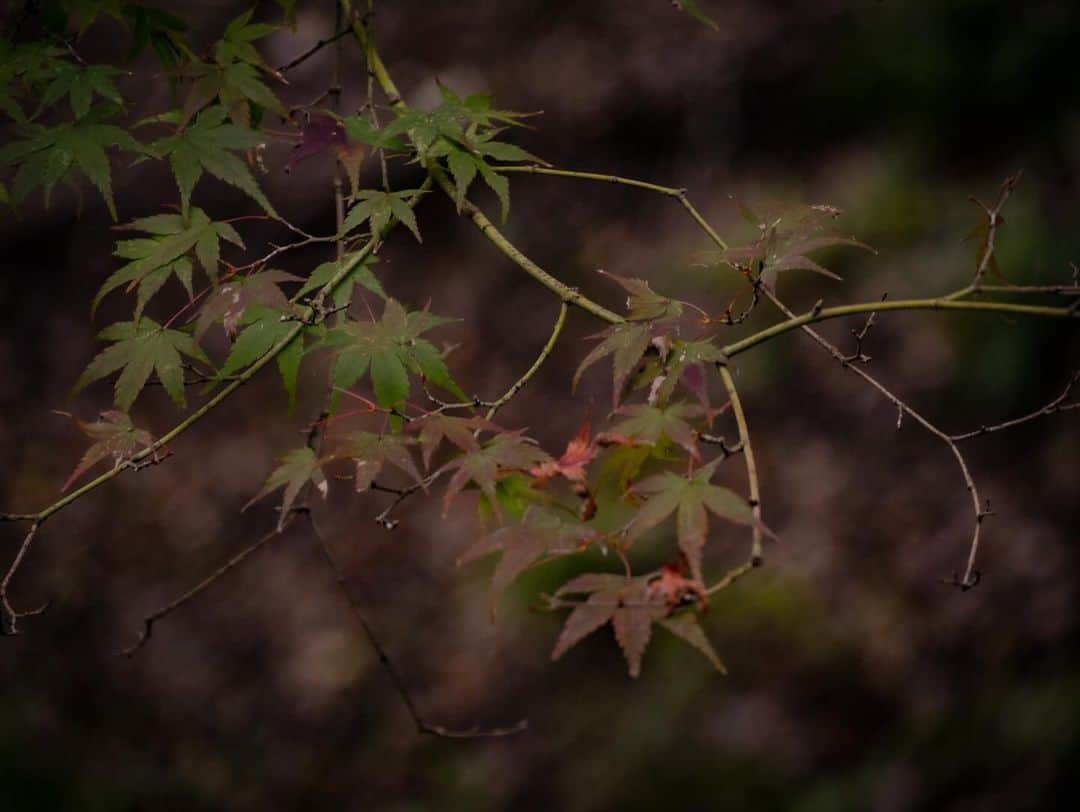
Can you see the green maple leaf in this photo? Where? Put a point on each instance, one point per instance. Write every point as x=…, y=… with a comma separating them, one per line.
x=235, y=44
x=361, y=274
x=650, y=424
x=370, y=453
x=296, y=469
x=208, y=146
x=262, y=330
x=165, y=252
x=160, y=31
x=691, y=498
x=46, y=155
x=80, y=84
x=139, y=349
x=236, y=86
x=114, y=436
x=24, y=70
x=376, y=207
x=388, y=350
x=541, y=535
x=503, y=455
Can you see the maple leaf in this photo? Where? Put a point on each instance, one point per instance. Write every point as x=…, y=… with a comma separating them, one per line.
x=296, y=469
x=461, y=431
x=784, y=242
x=387, y=350
x=624, y=602
x=626, y=343
x=228, y=303
x=540, y=536
x=263, y=329
x=370, y=452
x=672, y=588
x=235, y=86
x=80, y=83
x=632, y=606
x=206, y=146
x=114, y=436
x=156, y=258
x=375, y=207
x=685, y=364
x=503, y=454
x=691, y=498
x=650, y=424
x=139, y=349
x=235, y=43
x=361, y=274
x=580, y=451
x=159, y=30
x=643, y=303
x=46, y=155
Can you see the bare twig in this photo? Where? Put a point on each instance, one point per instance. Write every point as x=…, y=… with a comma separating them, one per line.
x=203, y=585
x=970, y=577
x=422, y=725
x=993, y=221
x=314, y=49
x=13, y=614
x=860, y=337
x=1058, y=404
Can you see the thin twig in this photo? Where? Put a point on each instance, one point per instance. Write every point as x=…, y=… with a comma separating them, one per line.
x=1055, y=406
x=422, y=725
x=971, y=576
x=203, y=585
x=314, y=49
x=13, y=614
x=993, y=221
x=539, y=362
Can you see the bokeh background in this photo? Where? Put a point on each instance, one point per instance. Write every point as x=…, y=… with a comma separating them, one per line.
x=857, y=680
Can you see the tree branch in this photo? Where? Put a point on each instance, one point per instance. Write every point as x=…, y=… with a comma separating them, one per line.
x=756, y=549
x=203, y=585
x=422, y=725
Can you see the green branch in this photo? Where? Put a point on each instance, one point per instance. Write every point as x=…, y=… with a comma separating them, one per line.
x=751, y=465
x=936, y=303
x=220, y=397
x=539, y=362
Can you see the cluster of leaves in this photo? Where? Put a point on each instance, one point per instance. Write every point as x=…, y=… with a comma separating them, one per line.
x=609, y=491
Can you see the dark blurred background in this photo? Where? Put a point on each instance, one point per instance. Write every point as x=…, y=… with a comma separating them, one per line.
x=857, y=680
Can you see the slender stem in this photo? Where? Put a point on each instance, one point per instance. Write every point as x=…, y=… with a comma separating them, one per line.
x=149, y=621
x=488, y=229
x=669, y=191
x=756, y=549
x=539, y=362
x=937, y=303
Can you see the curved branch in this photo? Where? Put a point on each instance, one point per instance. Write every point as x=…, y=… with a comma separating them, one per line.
x=935, y=303
x=539, y=362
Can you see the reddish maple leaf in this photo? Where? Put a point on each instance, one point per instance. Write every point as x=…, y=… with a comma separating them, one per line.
x=672, y=588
